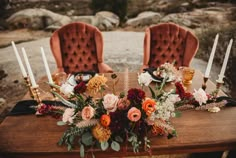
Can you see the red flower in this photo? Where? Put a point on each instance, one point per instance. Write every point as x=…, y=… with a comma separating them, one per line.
x=180, y=90
x=44, y=109
x=80, y=88
x=136, y=95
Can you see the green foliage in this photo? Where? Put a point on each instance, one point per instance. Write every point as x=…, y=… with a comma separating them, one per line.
x=87, y=139
x=118, y=7
x=104, y=145
x=133, y=139
x=115, y=146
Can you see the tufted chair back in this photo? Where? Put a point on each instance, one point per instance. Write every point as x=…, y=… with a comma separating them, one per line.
x=78, y=47
x=168, y=42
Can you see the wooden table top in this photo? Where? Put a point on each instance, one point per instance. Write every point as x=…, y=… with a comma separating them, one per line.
x=198, y=131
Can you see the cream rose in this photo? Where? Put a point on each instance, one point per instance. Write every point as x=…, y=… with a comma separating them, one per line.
x=110, y=102
x=200, y=96
x=67, y=89
x=68, y=115
x=144, y=79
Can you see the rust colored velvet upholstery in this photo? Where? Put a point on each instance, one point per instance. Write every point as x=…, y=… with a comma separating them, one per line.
x=167, y=42
x=78, y=47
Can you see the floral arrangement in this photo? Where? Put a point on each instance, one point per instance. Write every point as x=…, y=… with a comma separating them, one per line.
x=114, y=120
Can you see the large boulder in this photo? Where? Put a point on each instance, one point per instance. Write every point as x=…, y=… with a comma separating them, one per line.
x=106, y=20
x=37, y=19
x=144, y=19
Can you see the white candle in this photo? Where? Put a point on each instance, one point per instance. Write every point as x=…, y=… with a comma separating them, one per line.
x=22, y=68
x=209, y=64
x=46, y=66
x=222, y=72
x=31, y=76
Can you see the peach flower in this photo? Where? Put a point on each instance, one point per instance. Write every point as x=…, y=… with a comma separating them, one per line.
x=123, y=103
x=87, y=112
x=149, y=106
x=134, y=114
x=110, y=102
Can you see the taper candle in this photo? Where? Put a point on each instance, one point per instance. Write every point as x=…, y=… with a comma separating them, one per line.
x=22, y=68
x=46, y=66
x=209, y=64
x=31, y=76
x=222, y=72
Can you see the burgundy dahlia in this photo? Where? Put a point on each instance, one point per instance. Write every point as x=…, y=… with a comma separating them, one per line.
x=80, y=88
x=136, y=95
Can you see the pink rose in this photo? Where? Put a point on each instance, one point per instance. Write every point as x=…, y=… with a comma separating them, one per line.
x=110, y=102
x=123, y=103
x=134, y=114
x=87, y=112
x=68, y=115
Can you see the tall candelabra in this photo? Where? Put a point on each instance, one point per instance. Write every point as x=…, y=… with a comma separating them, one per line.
x=28, y=84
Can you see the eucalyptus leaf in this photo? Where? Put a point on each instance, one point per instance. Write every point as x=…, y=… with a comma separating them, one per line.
x=178, y=114
x=104, y=145
x=71, y=139
x=81, y=150
x=61, y=123
x=87, y=138
x=69, y=147
x=115, y=146
x=119, y=139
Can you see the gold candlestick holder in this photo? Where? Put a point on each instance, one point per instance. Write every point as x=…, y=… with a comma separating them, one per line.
x=218, y=85
x=53, y=89
x=204, y=85
x=37, y=97
x=28, y=84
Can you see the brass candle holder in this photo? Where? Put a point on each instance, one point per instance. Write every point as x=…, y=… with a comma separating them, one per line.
x=37, y=97
x=218, y=85
x=28, y=84
x=204, y=85
x=53, y=89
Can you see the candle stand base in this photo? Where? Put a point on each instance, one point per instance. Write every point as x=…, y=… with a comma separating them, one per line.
x=218, y=85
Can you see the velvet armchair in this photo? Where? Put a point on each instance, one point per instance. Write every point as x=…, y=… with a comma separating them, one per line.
x=78, y=47
x=168, y=42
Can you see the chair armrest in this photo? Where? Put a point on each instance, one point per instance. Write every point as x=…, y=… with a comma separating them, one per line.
x=143, y=67
x=104, y=68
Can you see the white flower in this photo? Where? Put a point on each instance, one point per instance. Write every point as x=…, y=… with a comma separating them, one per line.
x=110, y=102
x=68, y=115
x=67, y=89
x=173, y=98
x=214, y=109
x=144, y=79
x=200, y=96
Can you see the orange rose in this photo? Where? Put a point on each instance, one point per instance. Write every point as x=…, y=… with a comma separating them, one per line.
x=105, y=120
x=134, y=114
x=149, y=106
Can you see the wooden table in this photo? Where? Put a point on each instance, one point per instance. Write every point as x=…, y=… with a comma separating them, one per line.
x=198, y=131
